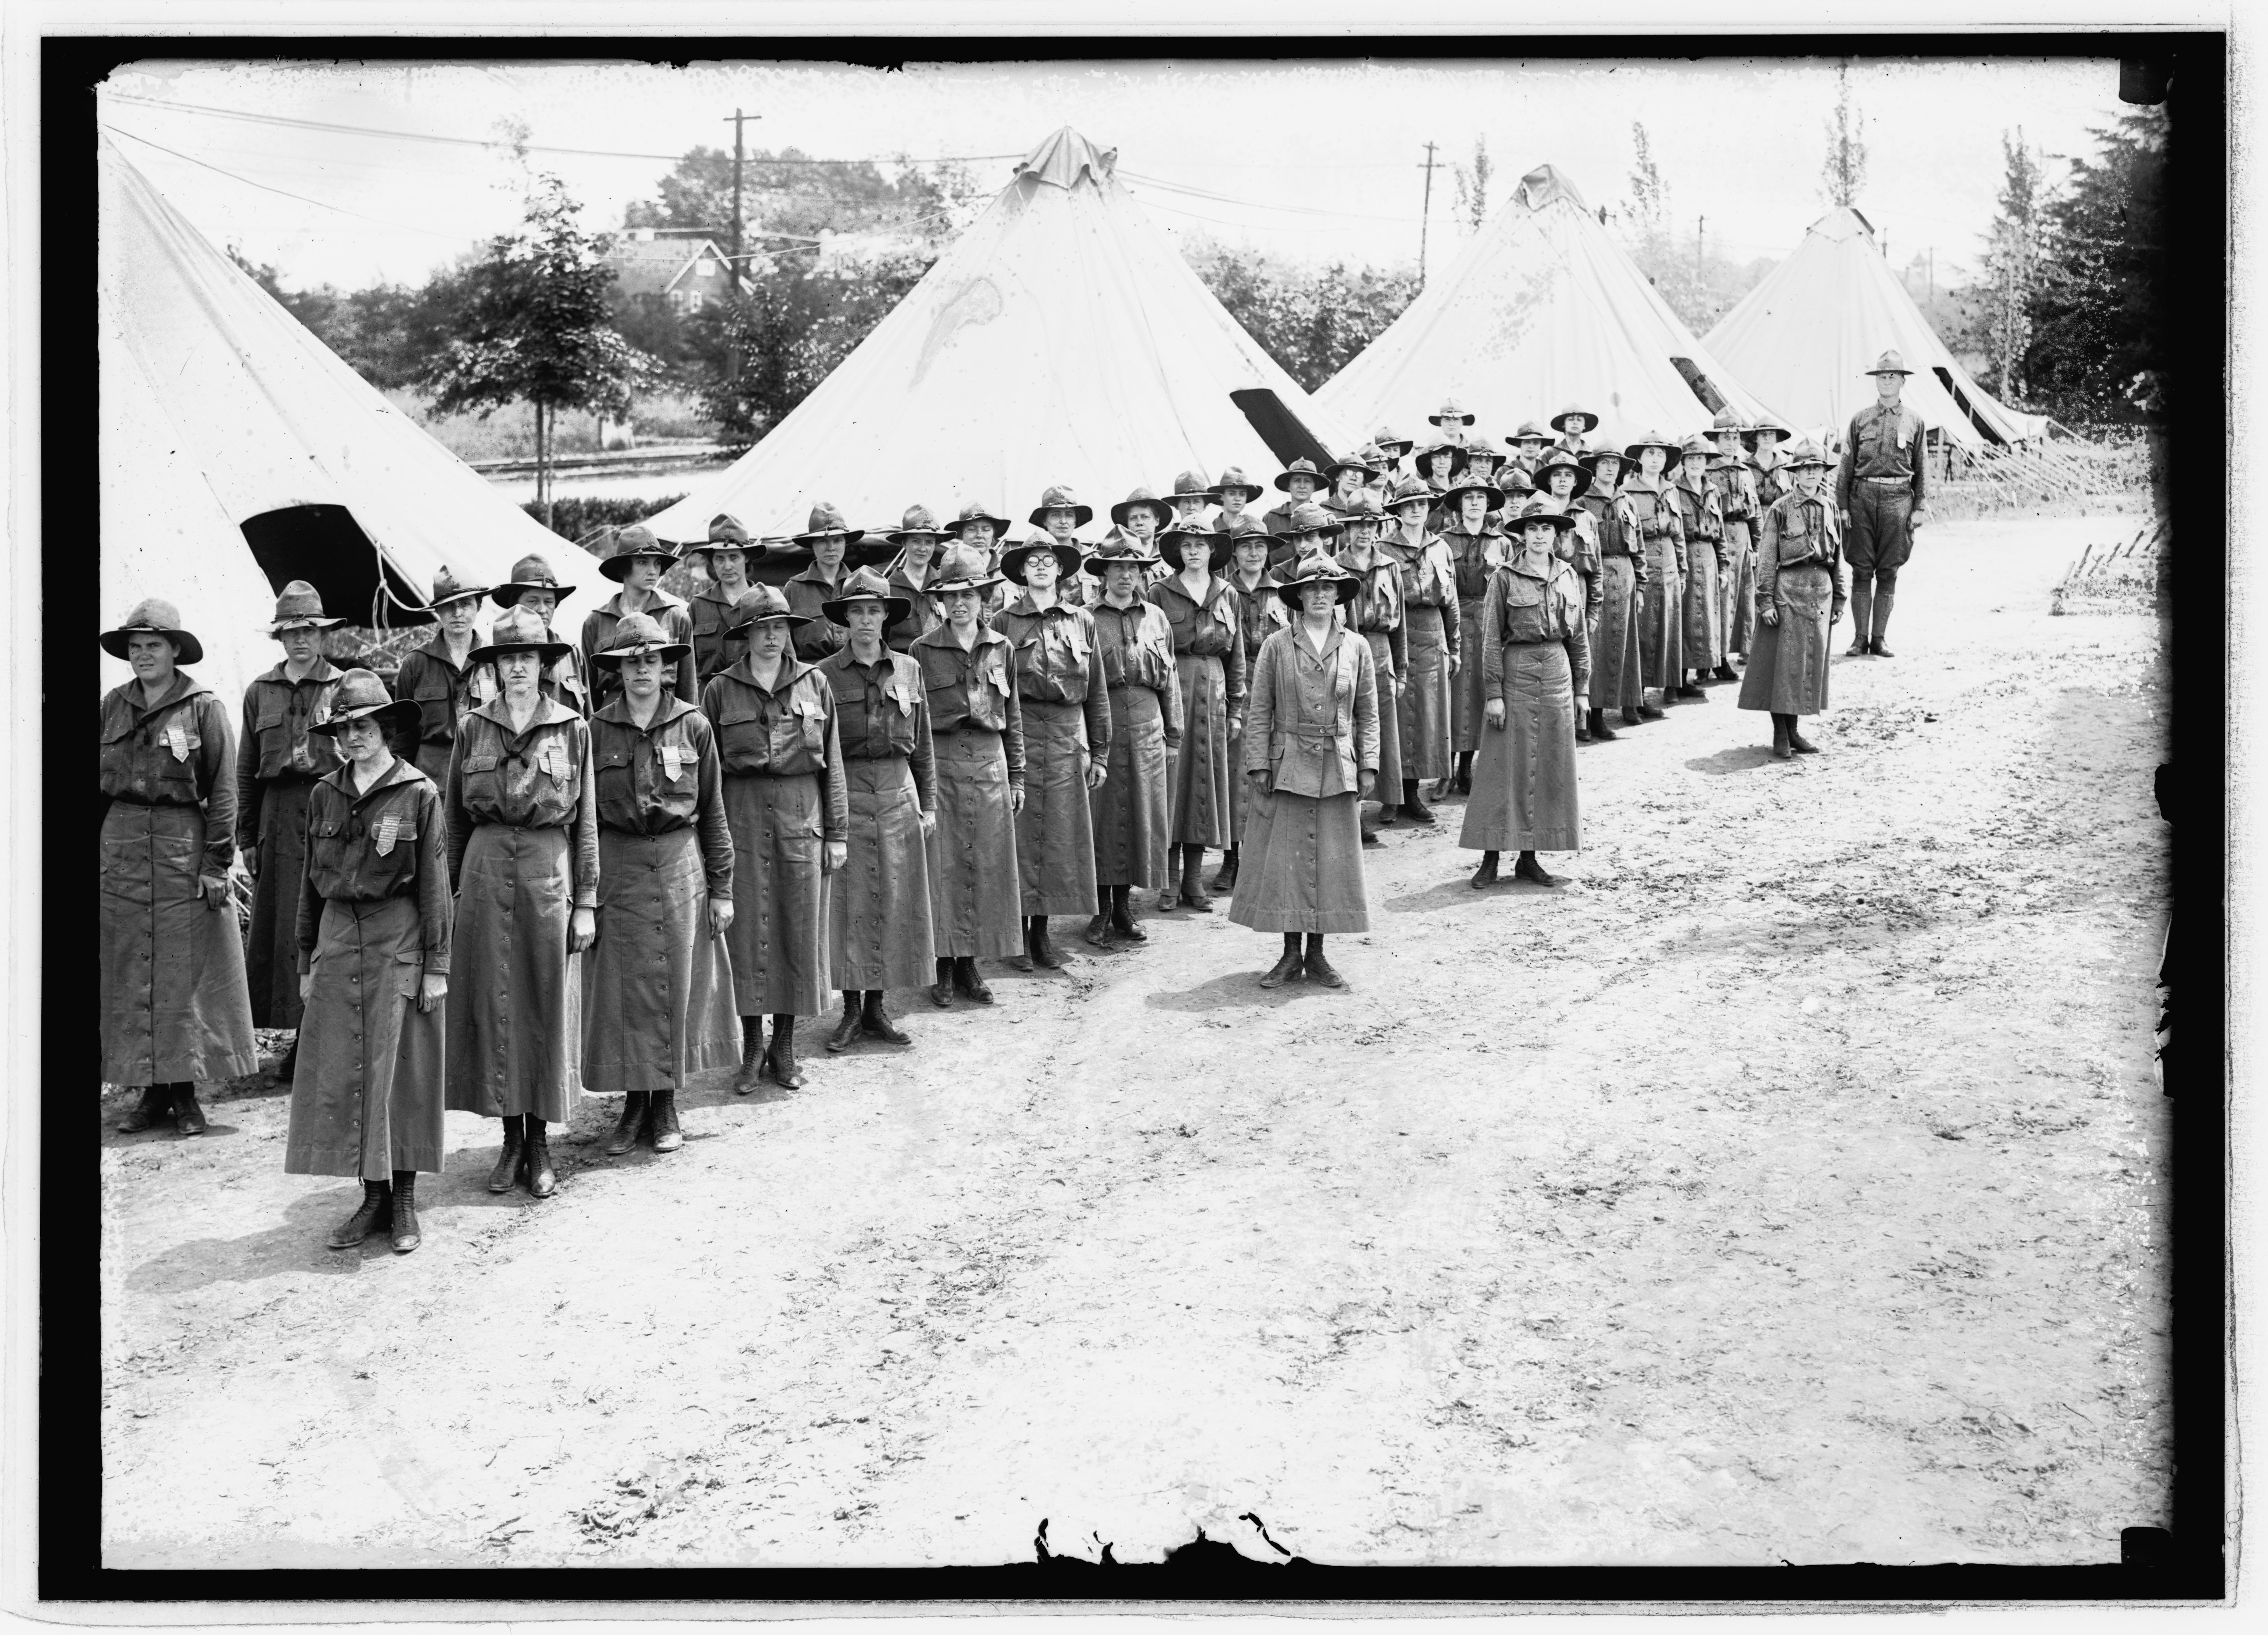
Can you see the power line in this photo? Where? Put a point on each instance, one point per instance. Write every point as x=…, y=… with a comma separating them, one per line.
x=283, y=192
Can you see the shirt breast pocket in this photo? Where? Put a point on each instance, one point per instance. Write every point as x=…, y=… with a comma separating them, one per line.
x=615, y=774
x=481, y=778
x=327, y=845
x=742, y=737
x=809, y=721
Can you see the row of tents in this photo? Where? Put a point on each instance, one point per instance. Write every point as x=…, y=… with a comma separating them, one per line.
x=1061, y=338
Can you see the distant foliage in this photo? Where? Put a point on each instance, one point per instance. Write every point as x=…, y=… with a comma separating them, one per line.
x=1698, y=287
x=1311, y=321
x=1843, y=174
x=1473, y=187
x=781, y=195
x=577, y=514
x=383, y=331
x=2099, y=330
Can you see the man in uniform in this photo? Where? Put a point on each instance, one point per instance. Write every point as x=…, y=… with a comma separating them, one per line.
x=1879, y=489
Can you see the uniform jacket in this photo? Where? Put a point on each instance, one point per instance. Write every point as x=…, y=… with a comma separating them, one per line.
x=927, y=613
x=1533, y=599
x=1376, y=609
x=275, y=743
x=1737, y=498
x=174, y=754
x=1259, y=610
x=1771, y=479
x=788, y=730
x=1798, y=533
x=883, y=710
x=661, y=777
x=1312, y=723
x=539, y=779
x=443, y=692
x=1882, y=444
x=714, y=652
x=1429, y=577
x=598, y=628
x=388, y=841
x=565, y=683
x=806, y=594
x=1579, y=548
x=1654, y=510
x=1470, y=556
x=1698, y=510
x=974, y=689
x=1134, y=646
x=1055, y=663
x=1212, y=629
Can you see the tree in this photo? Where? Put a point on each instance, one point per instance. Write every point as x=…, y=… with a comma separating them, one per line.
x=2099, y=337
x=535, y=328
x=1698, y=287
x=1845, y=171
x=790, y=193
x=382, y=331
x=1312, y=321
x=2012, y=265
x=1473, y=185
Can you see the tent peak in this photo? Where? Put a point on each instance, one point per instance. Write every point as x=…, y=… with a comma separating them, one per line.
x=1544, y=184
x=1843, y=222
x=1063, y=157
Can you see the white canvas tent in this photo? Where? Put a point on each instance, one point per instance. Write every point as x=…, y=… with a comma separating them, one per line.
x=238, y=452
x=1061, y=339
x=1542, y=309
x=1805, y=334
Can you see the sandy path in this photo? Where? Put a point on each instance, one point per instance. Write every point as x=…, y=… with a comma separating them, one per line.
x=1788, y=1187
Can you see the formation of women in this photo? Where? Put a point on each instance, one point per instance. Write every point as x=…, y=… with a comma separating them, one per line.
x=534, y=868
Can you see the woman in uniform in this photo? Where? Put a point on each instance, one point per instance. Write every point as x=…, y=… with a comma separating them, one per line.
x=1349, y=481
x=1473, y=543
x=278, y=758
x=536, y=589
x=372, y=929
x=658, y=989
x=174, y=1004
x=1560, y=480
x=1534, y=663
x=1764, y=441
x=1209, y=668
x=1311, y=754
x=1259, y=611
x=1134, y=646
x=1299, y=481
x=1237, y=493
x=916, y=537
x=834, y=552
x=1528, y=446
x=976, y=738
x=441, y=677
x=1060, y=515
x=1065, y=707
x=1703, y=527
x=1375, y=614
x=1439, y=462
x=1616, y=670
x=1575, y=424
x=524, y=859
x=1801, y=591
x=724, y=560
x=984, y=534
x=1661, y=623
x=637, y=563
x=1140, y=516
x=1191, y=498
x=878, y=912
x=786, y=808
x=1734, y=486
x=1430, y=634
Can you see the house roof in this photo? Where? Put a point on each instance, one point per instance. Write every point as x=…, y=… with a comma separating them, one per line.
x=652, y=266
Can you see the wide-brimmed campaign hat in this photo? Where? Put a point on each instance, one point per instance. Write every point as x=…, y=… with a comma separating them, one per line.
x=1061, y=498
x=154, y=616
x=1453, y=497
x=630, y=544
x=827, y=518
x=1315, y=567
x=759, y=603
x=1411, y=492
x=727, y=533
x=1806, y=452
x=1890, y=364
x=1514, y=481
x=1590, y=457
x=962, y=568
x=1650, y=439
x=1540, y=511
x=1141, y=498
x=1312, y=518
x=518, y=631
x=1246, y=527
x=359, y=695
x=1561, y=459
x=446, y=590
x=1728, y=419
x=1192, y=485
x=868, y=586
x=1697, y=443
x=1559, y=422
x=1749, y=434
x=636, y=634
x=1298, y=468
x=1216, y=543
x=974, y=511
x=1068, y=558
x=531, y=572
x=1480, y=457
x=1233, y=478
x=919, y=519
x=1436, y=446
x=1351, y=462
x=1451, y=413
x=1120, y=547
x=1392, y=447
x=1364, y=507
x=1531, y=430
x=299, y=607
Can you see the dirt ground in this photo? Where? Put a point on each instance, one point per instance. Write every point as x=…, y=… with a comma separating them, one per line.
x=1789, y=1186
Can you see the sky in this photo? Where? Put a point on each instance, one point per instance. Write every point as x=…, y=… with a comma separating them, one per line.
x=1314, y=161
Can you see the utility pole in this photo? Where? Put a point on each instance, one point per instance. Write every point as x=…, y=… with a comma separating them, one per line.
x=1425, y=219
x=736, y=117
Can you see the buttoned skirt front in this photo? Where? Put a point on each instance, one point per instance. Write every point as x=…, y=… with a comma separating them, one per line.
x=1203, y=789
x=1661, y=619
x=172, y=997
x=271, y=954
x=1130, y=816
x=779, y=937
x=1467, y=701
x=1705, y=608
x=878, y=912
x=656, y=988
x=1055, y=832
x=1301, y=867
x=1524, y=776
x=368, y=1096
x=1616, y=670
x=1787, y=672
x=1736, y=588
x=516, y=1027
x=975, y=890
x=1422, y=706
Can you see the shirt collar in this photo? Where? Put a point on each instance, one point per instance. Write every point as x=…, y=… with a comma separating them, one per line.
x=617, y=710
x=943, y=636
x=401, y=772
x=811, y=575
x=549, y=712
x=657, y=599
x=439, y=648
x=323, y=672
x=791, y=670
x=1023, y=604
x=185, y=686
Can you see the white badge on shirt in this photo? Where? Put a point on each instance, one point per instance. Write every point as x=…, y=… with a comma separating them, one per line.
x=553, y=758
x=177, y=740
x=389, y=827
x=673, y=761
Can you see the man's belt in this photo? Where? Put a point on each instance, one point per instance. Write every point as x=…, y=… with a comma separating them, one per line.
x=1901, y=482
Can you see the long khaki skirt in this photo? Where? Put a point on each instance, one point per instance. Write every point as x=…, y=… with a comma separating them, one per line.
x=779, y=938
x=1301, y=868
x=516, y=1028
x=1131, y=818
x=1055, y=832
x=368, y=1096
x=1422, y=705
x=1736, y=586
x=1524, y=777
x=1661, y=619
x=657, y=987
x=1617, y=668
x=1787, y=672
x=878, y=906
x=271, y=957
x=1704, y=608
x=1390, y=765
x=975, y=892
x=1468, y=701
x=172, y=998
